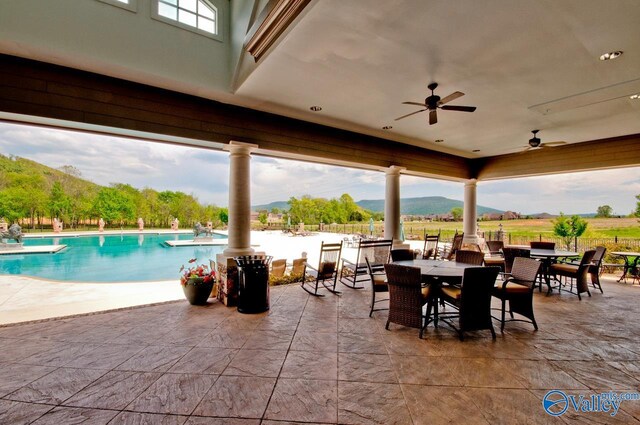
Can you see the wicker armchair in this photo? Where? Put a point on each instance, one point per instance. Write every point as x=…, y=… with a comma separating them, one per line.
x=327, y=269
x=402, y=254
x=518, y=290
x=472, y=300
x=495, y=248
x=299, y=269
x=430, y=250
x=407, y=297
x=577, y=273
x=542, y=245
x=475, y=258
x=377, y=251
x=378, y=285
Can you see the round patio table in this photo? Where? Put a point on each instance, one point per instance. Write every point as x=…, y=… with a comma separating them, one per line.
x=629, y=264
x=548, y=256
x=437, y=268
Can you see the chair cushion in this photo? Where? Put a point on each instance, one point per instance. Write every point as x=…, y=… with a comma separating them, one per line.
x=564, y=269
x=494, y=261
x=426, y=291
x=514, y=288
x=380, y=279
x=451, y=292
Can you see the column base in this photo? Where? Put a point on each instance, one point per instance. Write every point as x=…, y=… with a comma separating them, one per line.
x=235, y=252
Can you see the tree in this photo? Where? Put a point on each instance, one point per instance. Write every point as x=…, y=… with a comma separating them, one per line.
x=604, y=211
x=456, y=212
x=114, y=206
x=569, y=228
x=637, y=212
x=223, y=215
x=262, y=217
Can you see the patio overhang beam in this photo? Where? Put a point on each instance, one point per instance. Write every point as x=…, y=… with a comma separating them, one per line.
x=52, y=92
x=615, y=152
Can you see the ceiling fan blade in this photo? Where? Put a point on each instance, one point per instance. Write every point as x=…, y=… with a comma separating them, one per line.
x=433, y=117
x=451, y=97
x=459, y=108
x=553, y=144
x=414, y=103
x=528, y=148
x=408, y=115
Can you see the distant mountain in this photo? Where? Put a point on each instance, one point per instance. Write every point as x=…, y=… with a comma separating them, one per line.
x=281, y=205
x=423, y=206
x=408, y=206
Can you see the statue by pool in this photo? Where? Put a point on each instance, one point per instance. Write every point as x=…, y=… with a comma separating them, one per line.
x=14, y=232
x=199, y=229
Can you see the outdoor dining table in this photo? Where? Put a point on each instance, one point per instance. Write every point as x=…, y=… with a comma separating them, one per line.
x=437, y=268
x=631, y=260
x=547, y=257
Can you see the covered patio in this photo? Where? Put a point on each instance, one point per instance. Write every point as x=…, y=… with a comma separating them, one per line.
x=316, y=360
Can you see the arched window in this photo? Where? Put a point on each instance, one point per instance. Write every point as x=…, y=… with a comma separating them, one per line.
x=198, y=14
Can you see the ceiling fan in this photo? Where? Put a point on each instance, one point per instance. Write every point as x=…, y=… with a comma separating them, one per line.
x=536, y=143
x=433, y=102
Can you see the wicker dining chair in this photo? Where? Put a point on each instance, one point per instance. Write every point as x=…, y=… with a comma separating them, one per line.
x=469, y=257
x=430, y=250
x=495, y=248
x=518, y=290
x=542, y=245
x=594, y=268
x=407, y=297
x=378, y=285
x=327, y=269
x=402, y=254
x=472, y=300
x=577, y=273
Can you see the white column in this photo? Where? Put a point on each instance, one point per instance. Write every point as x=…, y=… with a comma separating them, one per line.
x=392, y=204
x=470, y=224
x=239, y=199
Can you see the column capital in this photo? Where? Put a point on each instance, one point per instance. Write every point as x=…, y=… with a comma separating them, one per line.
x=471, y=182
x=240, y=147
x=394, y=170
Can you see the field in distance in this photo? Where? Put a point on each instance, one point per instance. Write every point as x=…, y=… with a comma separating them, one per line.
x=597, y=228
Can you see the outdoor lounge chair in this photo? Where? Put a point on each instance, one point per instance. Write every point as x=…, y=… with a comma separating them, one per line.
x=378, y=284
x=518, y=290
x=327, y=269
x=430, y=250
x=377, y=251
x=278, y=268
x=299, y=269
x=472, y=300
x=449, y=253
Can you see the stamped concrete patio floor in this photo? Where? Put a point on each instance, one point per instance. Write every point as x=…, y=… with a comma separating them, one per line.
x=316, y=360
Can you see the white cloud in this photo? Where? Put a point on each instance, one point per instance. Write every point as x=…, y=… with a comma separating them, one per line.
x=205, y=173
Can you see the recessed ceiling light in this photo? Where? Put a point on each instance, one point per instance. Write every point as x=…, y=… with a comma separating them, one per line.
x=316, y=108
x=476, y=150
x=387, y=127
x=439, y=140
x=611, y=55
x=635, y=96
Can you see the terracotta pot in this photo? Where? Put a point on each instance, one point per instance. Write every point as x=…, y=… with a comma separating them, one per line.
x=196, y=291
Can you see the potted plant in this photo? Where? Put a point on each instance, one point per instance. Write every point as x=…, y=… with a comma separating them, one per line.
x=197, y=282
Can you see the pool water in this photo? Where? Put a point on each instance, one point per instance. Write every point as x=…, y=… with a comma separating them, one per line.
x=109, y=258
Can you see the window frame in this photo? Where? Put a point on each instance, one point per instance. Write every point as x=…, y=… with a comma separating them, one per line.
x=218, y=10
x=131, y=6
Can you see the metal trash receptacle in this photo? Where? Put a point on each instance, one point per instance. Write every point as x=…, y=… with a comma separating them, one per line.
x=253, y=283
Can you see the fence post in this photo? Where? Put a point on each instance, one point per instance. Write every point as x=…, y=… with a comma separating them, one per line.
x=540, y=236
x=616, y=238
x=575, y=243
x=509, y=238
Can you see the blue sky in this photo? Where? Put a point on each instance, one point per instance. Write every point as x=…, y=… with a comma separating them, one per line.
x=205, y=173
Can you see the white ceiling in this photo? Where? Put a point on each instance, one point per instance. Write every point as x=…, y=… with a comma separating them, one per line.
x=525, y=64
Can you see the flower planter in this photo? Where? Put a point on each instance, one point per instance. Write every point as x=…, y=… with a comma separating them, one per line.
x=197, y=291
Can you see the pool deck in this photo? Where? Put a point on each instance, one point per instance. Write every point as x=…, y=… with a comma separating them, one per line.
x=45, y=249
x=27, y=299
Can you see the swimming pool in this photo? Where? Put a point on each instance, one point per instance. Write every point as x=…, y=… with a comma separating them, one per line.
x=109, y=258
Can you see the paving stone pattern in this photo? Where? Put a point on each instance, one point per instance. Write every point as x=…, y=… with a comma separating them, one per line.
x=316, y=361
